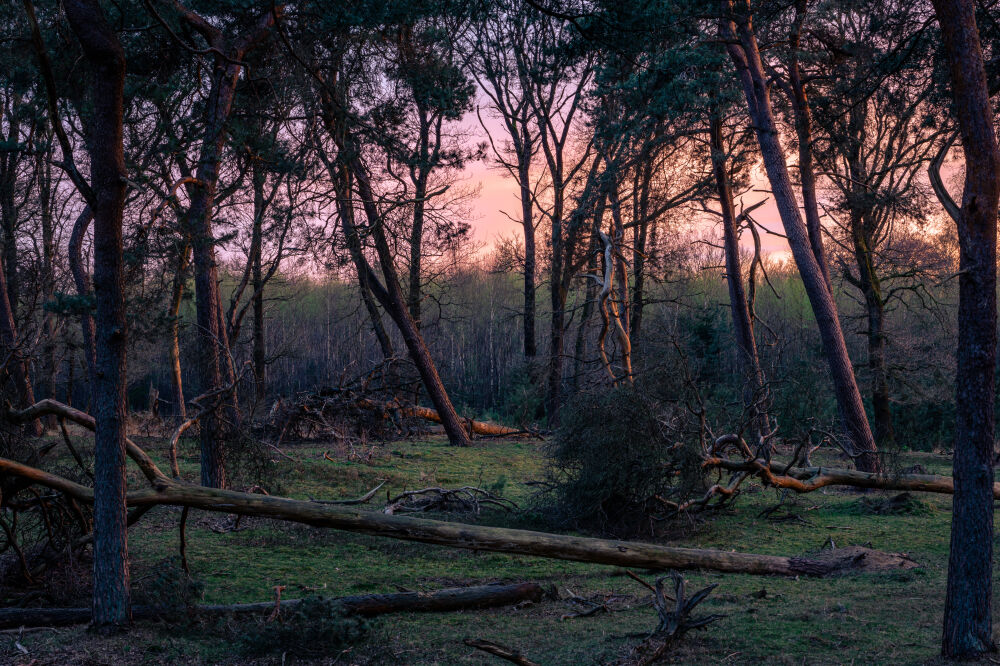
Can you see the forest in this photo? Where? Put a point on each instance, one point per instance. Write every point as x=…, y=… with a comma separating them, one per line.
x=486, y=331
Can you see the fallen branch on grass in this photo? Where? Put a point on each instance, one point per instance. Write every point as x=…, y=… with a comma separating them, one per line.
x=753, y=464
x=428, y=414
x=498, y=650
x=368, y=605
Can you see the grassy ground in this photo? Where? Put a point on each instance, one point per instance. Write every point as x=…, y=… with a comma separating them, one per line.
x=870, y=618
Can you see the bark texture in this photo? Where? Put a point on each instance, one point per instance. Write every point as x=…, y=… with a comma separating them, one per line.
x=111, y=600
x=968, y=624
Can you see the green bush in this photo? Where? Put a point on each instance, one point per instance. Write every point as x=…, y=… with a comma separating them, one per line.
x=318, y=626
x=613, y=462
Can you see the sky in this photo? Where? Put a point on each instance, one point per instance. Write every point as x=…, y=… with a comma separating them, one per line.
x=498, y=193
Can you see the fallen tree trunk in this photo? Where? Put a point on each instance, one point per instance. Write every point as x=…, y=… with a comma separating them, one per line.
x=367, y=605
x=428, y=414
x=455, y=535
x=808, y=479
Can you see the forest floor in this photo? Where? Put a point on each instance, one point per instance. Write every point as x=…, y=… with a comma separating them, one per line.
x=862, y=618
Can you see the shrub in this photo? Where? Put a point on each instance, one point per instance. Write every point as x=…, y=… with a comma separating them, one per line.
x=318, y=626
x=613, y=462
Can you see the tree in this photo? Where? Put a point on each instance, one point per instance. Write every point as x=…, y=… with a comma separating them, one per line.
x=737, y=32
x=214, y=363
x=968, y=621
x=503, y=45
x=106, y=60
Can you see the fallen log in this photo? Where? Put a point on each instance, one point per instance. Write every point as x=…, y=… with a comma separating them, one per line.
x=455, y=535
x=808, y=479
x=428, y=414
x=367, y=605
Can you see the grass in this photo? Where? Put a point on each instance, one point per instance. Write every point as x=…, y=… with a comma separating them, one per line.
x=866, y=618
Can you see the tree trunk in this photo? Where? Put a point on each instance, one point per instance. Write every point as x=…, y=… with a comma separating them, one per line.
x=43, y=171
x=10, y=345
x=84, y=289
x=803, y=130
x=174, y=311
x=257, y=282
x=754, y=397
x=968, y=623
x=741, y=44
x=476, y=537
x=871, y=289
x=108, y=178
x=528, y=225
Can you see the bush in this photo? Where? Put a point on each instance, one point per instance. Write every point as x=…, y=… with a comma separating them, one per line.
x=613, y=462
x=318, y=626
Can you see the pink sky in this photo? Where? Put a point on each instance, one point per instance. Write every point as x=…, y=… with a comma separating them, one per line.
x=498, y=195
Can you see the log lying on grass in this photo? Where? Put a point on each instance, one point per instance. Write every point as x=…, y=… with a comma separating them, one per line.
x=367, y=605
x=428, y=414
x=808, y=479
x=455, y=535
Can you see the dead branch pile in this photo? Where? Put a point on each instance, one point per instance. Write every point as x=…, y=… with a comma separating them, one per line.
x=350, y=415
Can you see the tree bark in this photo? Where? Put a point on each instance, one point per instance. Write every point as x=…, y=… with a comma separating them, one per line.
x=968, y=623
x=111, y=602
x=741, y=43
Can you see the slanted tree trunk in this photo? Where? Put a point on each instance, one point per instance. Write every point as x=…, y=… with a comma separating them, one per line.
x=803, y=129
x=741, y=43
x=349, y=169
x=968, y=622
x=111, y=602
